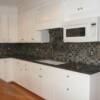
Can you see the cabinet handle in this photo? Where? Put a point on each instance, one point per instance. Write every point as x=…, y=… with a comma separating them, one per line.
x=8, y=48
x=93, y=24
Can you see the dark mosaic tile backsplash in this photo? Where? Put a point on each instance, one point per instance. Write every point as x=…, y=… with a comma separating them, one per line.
x=88, y=53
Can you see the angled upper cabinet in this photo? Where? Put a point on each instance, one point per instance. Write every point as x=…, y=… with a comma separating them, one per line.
x=80, y=8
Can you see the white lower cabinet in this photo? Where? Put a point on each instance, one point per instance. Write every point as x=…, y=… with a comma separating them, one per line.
x=20, y=72
x=6, y=70
x=2, y=69
x=71, y=85
x=35, y=78
x=58, y=84
x=27, y=75
x=54, y=83
x=49, y=82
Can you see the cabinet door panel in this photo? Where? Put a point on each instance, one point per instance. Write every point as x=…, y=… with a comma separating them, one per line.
x=13, y=29
x=2, y=70
x=5, y=68
x=19, y=73
x=52, y=83
x=49, y=14
x=47, y=82
x=81, y=8
x=4, y=28
x=34, y=78
x=81, y=83
x=60, y=84
x=23, y=27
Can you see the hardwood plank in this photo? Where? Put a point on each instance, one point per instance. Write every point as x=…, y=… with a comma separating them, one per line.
x=12, y=91
x=25, y=91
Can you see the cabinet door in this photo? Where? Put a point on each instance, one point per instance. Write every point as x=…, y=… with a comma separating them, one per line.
x=2, y=70
x=47, y=82
x=73, y=6
x=80, y=8
x=26, y=26
x=19, y=72
x=81, y=83
x=5, y=69
x=35, y=78
x=13, y=28
x=4, y=28
x=9, y=69
x=40, y=80
x=22, y=25
x=49, y=14
x=68, y=85
x=49, y=11
x=60, y=85
x=26, y=75
x=0, y=29
x=30, y=22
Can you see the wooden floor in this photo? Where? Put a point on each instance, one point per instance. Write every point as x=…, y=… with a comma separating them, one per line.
x=10, y=91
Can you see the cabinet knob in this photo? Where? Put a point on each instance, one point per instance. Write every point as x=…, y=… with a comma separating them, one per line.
x=80, y=8
x=67, y=89
x=40, y=68
x=32, y=38
x=25, y=69
x=40, y=76
x=68, y=76
x=22, y=39
x=21, y=69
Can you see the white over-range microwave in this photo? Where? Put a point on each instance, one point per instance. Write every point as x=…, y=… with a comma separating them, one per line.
x=82, y=30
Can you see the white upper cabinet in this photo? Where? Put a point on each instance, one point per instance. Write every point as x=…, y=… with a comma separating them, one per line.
x=80, y=8
x=25, y=25
x=27, y=28
x=52, y=13
x=13, y=28
x=8, y=24
x=4, y=28
x=49, y=14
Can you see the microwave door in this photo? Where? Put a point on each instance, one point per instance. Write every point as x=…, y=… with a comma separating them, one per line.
x=76, y=32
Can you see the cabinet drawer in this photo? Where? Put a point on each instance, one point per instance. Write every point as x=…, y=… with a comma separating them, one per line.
x=68, y=85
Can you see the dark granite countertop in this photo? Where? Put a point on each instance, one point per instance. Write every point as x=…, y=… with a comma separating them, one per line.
x=82, y=68
x=78, y=67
